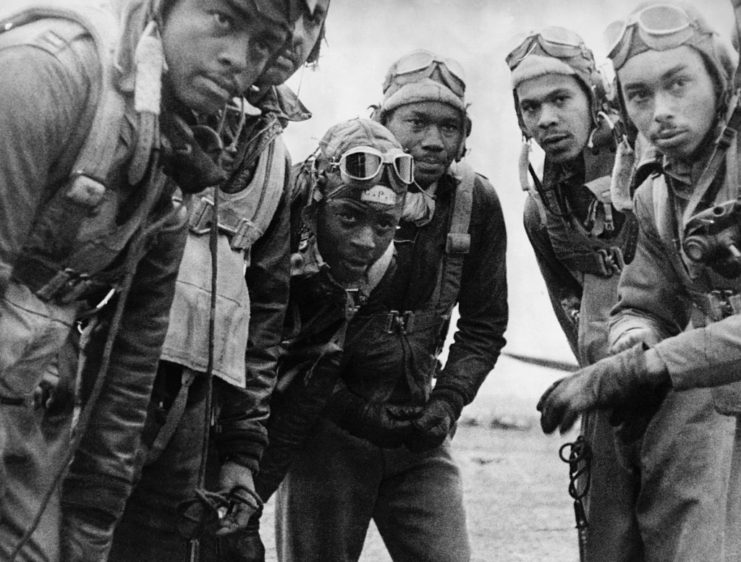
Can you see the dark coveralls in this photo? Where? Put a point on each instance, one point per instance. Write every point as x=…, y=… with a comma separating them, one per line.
x=580, y=259
x=685, y=453
x=46, y=111
x=339, y=482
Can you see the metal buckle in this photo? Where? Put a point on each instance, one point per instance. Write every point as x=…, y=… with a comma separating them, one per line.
x=391, y=319
x=201, y=217
x=611, y=260
x=65, y=286
x=352, y=302
x=722, y=303
x=403, y=322
x=240, y=239
x=55, y=284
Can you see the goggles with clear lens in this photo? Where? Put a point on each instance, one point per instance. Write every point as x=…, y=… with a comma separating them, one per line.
x=660, y=27
x=551, y=41
x=365, y=164
x=408, y=69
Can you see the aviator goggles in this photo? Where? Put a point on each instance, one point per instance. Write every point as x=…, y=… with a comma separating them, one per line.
x=424, y=63
x=659, y=27
x=365, y=164
x=554, y=41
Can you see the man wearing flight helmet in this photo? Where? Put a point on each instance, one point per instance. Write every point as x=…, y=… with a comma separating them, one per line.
x=87, y=212
x=677, y=319
x=382, y=451
x=252, y=293
x=346, y=204
x=581, y=242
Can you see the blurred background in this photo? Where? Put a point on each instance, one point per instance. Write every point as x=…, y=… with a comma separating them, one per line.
x=365, y=37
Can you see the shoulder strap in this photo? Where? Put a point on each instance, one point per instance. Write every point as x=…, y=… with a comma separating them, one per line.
x=458, y=242
x=98, y=19
x=274, y=160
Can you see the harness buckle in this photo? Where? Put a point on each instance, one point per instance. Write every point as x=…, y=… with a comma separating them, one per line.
x=56, y=284
x=391, y=320
x=611, y=259
x=406, y=322
x=401, y=321
x=201, y=216
x=240, y=239
x=722, y=303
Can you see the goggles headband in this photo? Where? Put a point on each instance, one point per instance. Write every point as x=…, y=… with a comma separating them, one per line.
x=553, y=41
x=423, y=64
x=659, y=27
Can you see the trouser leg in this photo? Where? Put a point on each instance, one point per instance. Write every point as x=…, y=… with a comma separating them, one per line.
x=325, y=503
x=685, y=461
x=733, y=509
x=612, y=532
x=419, y=511
x=148, y=528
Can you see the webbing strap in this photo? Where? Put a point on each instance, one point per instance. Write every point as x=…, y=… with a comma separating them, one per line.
x=174, y=415
x=245, y=215
x=726, y=139
x=458, y=242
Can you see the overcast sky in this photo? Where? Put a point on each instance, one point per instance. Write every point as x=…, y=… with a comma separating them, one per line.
x=365, y=36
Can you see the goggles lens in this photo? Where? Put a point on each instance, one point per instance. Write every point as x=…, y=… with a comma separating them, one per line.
x=554, y=41
x=660, y=27
x=364, y=164
x=420, y=61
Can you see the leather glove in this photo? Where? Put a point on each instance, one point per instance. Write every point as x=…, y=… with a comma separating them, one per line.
x=384, y=425
x=245, y=545
x=436, y=421
x=613, y=381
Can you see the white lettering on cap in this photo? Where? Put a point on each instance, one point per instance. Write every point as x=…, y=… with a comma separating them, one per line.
x=379, y=194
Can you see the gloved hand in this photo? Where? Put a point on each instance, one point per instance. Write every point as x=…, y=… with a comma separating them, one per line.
x=436, y=421
x=244, y=545
x=613, y=381
x=632, y=336
x=237, y=481
x=385, y=425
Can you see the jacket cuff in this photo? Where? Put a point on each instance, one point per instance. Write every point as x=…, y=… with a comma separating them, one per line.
x=452, y=398
x=240, y=446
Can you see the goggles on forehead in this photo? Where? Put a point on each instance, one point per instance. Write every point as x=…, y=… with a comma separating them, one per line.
x=660, y=27
x=409, y=68
x=552, y=41
x=365, y=164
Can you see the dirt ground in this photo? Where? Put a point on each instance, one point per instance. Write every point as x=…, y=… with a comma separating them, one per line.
x=516, y=501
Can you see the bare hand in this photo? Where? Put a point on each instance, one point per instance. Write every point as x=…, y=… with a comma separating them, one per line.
x=237, y=481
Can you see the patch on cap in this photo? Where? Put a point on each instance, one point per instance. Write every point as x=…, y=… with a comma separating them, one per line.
x=379, y=194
